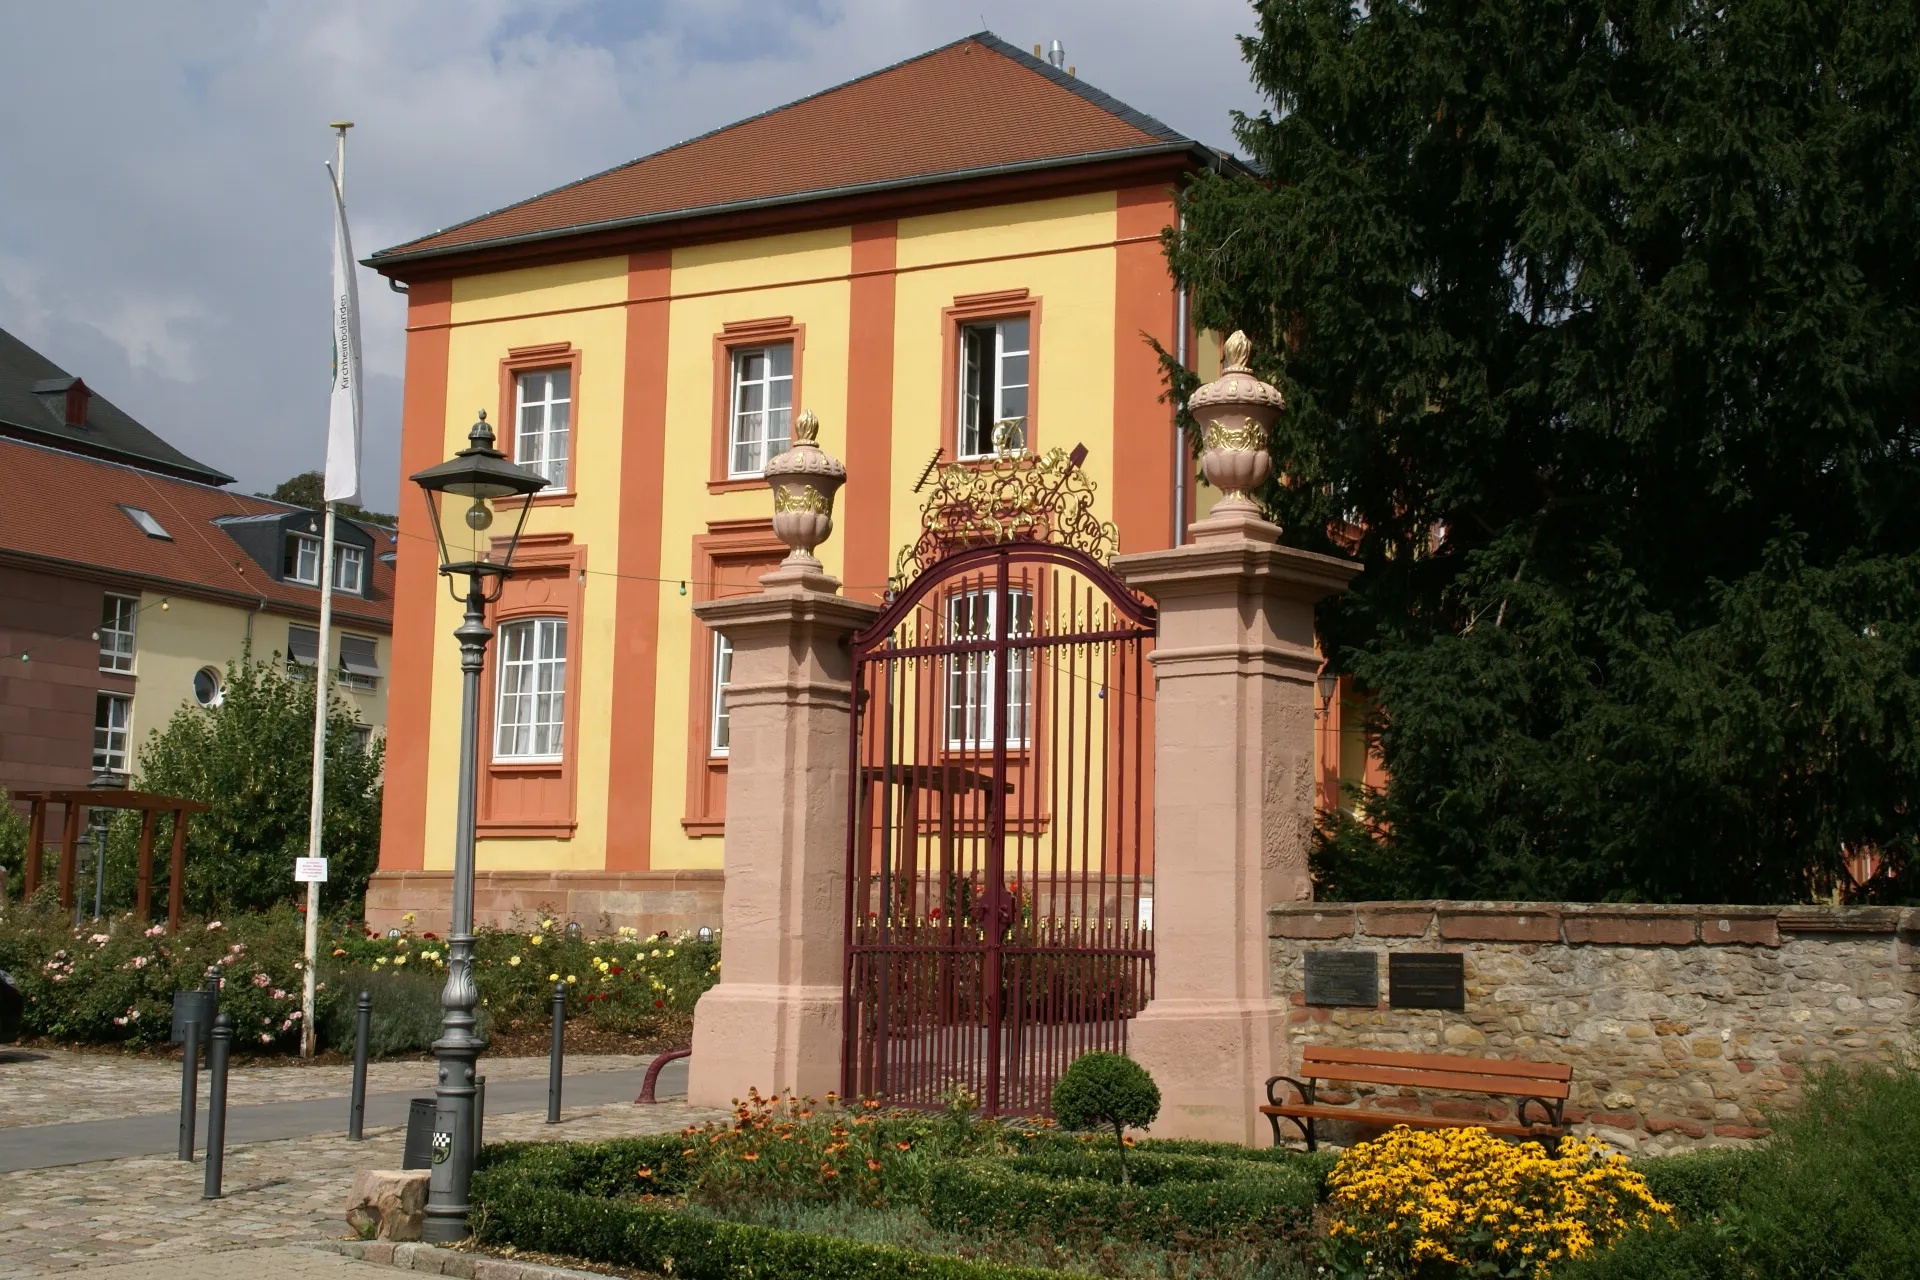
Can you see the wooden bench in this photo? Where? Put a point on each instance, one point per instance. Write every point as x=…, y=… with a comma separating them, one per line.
x=1543, y=1085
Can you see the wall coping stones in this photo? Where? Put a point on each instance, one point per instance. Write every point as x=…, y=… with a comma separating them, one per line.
x=1584, y=923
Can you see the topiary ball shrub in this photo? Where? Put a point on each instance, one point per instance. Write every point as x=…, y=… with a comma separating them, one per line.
x=1102, y=1089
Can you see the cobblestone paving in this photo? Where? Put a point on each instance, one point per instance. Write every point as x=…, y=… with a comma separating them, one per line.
x=52, y=1086
x=149, y=1209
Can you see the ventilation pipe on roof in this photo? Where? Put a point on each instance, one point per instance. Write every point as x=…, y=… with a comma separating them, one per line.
x=1057, y=55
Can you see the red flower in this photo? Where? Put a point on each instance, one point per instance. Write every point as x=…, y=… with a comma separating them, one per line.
x=615, y=970
x=659, y=1005
x=429, y=935
x=935, y=913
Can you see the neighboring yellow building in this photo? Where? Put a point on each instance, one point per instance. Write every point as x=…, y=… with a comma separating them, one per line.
x=966, y=240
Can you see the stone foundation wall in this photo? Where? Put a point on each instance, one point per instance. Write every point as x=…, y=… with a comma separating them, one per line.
x=649, y=901
x=1682, y=1024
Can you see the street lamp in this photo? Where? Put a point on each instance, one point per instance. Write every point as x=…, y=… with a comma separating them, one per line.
x=478, y=473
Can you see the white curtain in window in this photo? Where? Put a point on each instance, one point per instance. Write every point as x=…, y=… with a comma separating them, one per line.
x=542, y=434
x=531, y=693
x=762, y=418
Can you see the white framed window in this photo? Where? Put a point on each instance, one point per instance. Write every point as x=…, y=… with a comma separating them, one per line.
x=206, y=686
x=993, y=387
x=359, y=662
x=112, y=730
x=970, y=676
x=300, y=561
x=721, y=736
x=349, y=569
x=543, y=422
x=363, y=736
x=117, y=614
x=530, y=696
x=761, y=419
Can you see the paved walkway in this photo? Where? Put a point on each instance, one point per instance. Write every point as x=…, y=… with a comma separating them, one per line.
x=142, y=1218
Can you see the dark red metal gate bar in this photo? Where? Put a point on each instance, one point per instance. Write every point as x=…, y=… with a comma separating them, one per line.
x=999, y=852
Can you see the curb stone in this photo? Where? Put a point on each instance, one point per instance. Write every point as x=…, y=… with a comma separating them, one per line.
x=434, y=1260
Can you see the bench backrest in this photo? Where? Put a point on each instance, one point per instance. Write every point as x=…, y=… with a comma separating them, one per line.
x=1437, y=1071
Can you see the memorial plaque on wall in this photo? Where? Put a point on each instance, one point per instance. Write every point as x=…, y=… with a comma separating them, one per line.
x=1426, y=980
x=1343, y=977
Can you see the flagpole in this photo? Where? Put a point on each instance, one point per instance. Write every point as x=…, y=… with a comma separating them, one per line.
x=322, y=684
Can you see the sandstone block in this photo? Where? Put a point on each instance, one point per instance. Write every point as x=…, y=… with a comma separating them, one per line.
x=1636, y=929
x=1395, y=924
x=1499, y=926
x=1739, y=1131
x=390, y=1202
x=1664, y=1124
x=1327, y=922
x=1740, y=931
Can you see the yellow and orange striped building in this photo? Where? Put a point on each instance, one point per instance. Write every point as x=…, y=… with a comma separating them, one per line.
x=965, y=239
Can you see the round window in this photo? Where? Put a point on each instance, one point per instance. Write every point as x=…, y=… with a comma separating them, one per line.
x=206, y=687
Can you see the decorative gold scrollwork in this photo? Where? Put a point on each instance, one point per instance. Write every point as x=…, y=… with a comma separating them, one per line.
x=1014, y=497
x=1249, y=435
x=800, y=497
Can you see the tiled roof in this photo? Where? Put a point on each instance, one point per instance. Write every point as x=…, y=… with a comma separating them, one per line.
x=67, y=509
x=32, y=407
x=976, y=106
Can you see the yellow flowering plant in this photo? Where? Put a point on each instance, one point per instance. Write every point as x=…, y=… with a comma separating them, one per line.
x=1436, y=1204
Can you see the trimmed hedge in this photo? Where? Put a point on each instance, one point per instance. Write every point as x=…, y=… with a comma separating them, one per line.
x=1171, y=1194
x=1698, y=1184
x=569, y=1199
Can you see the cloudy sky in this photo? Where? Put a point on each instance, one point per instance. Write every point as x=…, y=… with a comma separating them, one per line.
x=164, y=223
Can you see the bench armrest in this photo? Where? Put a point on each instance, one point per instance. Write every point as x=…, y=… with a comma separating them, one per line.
x=1306, y=1090
x=1552, y=1110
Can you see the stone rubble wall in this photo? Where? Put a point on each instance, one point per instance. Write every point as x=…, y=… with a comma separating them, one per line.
x=1683, y=1024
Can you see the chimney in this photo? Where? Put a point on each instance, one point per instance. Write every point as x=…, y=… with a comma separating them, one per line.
x=1057, y=55
x=77, y=398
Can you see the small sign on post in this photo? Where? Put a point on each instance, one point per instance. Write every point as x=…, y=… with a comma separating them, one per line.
x=309, y=870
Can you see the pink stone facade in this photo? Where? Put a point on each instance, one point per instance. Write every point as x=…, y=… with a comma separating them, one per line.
x=1684, y=1025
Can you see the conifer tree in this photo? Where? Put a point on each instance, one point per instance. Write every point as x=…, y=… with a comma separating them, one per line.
x=1602, y=324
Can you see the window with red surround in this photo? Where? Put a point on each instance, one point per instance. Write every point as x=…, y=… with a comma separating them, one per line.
x=530, y=693
x=990, y=374
x=756, y=392
x=728, y=560
x=539, y=423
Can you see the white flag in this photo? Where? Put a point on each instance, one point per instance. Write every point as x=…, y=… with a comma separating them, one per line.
x=343, y=418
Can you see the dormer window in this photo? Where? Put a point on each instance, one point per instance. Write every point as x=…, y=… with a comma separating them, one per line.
x=349, y=569
x=302, y=559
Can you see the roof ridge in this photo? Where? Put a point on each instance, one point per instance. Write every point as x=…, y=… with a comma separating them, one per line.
x=1075, y=85
x=684, y=142
x=985, y=38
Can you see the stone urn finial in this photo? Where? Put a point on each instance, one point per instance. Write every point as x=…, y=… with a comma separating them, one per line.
x=804, y=480
x=1235, y=412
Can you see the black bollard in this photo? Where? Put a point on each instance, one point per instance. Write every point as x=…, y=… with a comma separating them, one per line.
x=212, y=987
x=556, y=1057
x=189, y=1086
x=362, y=1028
x=217, y=1104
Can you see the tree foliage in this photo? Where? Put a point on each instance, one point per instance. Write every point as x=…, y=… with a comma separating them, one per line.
x=308, y=489
x=250, y=759
x=1602, y=325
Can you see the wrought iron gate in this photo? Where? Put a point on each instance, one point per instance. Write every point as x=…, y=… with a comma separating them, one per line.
x=999, y=909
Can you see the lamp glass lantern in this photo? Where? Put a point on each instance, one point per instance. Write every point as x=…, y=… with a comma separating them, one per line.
x=480, y=474
x=1326, y=684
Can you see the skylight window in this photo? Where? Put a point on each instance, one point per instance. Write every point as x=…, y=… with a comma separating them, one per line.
x=148, y=525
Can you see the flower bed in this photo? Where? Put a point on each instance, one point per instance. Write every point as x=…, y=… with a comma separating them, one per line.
x=787, y=1190
x=113, y=981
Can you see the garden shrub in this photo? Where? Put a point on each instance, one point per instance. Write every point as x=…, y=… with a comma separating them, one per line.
x=1834, y=1192
x=1460, y=1201
x=114, y=980
x=406, y=1016
x=1102, y=1088
x=577, y=1200
x=1170, y=1197
x=1698, y=1184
